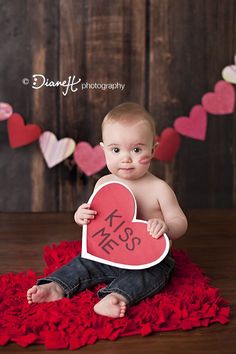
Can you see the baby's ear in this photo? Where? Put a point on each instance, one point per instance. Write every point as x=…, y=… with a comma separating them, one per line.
x=154, y=147
x=102, y=145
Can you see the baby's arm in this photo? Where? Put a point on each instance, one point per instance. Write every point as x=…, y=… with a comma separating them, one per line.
x=175, y=221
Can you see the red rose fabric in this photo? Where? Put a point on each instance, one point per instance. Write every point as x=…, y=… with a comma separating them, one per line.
x=187, y=302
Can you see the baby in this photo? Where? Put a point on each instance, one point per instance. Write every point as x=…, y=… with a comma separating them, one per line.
x=128, y=134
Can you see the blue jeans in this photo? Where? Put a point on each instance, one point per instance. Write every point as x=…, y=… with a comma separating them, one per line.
x=134, y=285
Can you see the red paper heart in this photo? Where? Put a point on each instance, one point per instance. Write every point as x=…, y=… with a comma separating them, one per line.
x=221, y=101
x=21, y=134
x=169, y=143
x=194, y=126
x=115, y=236
x=90, y=160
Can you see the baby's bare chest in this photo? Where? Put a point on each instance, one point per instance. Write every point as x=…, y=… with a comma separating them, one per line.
x=147, y=205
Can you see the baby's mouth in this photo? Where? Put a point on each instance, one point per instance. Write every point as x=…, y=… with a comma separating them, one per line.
x=126, y=168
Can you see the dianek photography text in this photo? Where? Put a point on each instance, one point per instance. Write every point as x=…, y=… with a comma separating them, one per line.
x=72, y=84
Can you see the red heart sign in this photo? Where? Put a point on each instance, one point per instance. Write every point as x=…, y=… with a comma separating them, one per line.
x=21, y=134
x=115, y=236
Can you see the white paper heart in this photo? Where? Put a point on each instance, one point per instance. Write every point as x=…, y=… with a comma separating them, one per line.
x=229, y=73
x=55, y=151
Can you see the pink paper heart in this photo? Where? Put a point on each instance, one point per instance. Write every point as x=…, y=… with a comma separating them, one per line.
x=55, y=151
x=115, y=236
x=5, y=111
x=194, y=126
x=89, y=159
x=221, y=101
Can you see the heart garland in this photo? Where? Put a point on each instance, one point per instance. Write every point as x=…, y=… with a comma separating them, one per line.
x=90, y=159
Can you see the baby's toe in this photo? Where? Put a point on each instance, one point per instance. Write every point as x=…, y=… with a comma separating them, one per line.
x=32, y=290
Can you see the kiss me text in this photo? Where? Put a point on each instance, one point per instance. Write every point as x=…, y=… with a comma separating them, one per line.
x=119, y=235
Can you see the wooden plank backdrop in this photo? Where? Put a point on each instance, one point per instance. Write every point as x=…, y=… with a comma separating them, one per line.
x=168, y=53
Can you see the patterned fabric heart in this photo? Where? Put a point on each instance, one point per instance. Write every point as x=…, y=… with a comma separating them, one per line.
x=55, y=151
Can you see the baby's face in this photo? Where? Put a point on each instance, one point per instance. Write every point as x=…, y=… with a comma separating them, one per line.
x=128, y=148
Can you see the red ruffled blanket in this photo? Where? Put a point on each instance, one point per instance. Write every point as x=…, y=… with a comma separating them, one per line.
x=187, y=302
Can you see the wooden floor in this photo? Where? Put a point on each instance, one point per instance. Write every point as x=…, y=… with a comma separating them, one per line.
x=210, y=242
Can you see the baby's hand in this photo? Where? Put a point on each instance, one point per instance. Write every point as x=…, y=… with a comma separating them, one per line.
x=84, y=214
x=156, y=227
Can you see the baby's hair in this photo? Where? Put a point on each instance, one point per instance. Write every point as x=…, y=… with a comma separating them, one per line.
x=129, y=112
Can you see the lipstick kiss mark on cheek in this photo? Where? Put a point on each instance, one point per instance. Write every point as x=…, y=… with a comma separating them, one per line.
x=145, y=160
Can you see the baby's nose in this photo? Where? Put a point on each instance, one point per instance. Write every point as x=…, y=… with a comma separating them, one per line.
x=126, y=158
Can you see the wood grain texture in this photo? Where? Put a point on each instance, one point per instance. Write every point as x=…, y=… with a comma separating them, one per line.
x=167, y=53
x=101, y=42
x=29, y=233
x=44, y=42
x=188, y=49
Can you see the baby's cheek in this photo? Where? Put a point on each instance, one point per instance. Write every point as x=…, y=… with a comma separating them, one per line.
x=145, y=160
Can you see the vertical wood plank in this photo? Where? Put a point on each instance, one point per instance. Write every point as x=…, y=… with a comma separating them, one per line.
x=102, y=42
x=14, y=63
x=220, y=49
x=44, y=41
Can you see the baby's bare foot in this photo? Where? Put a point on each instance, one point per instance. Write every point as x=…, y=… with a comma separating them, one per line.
x=45, y=293
x=112, y=305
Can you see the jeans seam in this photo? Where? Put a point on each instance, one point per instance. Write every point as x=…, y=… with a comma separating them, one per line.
x=64, y=286
x=99, y=279
x=68, y=290
x=116, y=290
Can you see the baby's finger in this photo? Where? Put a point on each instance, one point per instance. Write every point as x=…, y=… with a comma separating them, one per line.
x=88, y=217
x=157, y=231
x=89, y=212
x=150, y=224
x=161, y=232
x=155, y=225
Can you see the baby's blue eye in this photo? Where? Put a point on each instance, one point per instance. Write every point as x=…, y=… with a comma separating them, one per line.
x=136, y=150
x=116, y=150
